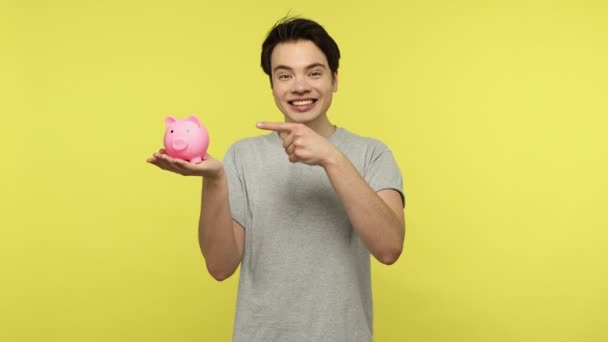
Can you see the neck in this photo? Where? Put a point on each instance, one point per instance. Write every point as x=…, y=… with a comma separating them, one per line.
x=321, y=126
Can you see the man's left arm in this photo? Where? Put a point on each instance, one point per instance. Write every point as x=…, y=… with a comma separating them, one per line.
x=377, y=217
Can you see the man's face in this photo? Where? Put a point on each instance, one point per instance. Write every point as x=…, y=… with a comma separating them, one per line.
x=302, y=82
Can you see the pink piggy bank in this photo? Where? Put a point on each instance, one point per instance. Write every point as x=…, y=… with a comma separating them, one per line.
x=186, y=139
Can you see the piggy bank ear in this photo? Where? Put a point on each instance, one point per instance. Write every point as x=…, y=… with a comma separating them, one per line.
x=169, y=120
x=193, y=118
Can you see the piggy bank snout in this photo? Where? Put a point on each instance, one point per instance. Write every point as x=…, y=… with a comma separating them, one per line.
x=179, y=144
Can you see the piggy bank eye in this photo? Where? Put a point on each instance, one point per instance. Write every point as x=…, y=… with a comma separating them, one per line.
x=187, y=131
x=171, y=131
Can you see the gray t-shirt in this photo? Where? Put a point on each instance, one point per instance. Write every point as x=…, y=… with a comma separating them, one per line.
x=305, y=274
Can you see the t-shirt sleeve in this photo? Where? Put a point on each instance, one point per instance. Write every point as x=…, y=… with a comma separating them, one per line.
x=236, y=189
x=382, y=171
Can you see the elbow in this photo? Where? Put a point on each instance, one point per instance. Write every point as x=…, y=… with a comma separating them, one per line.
x=390, y=256
x=219, y=274
x=391, y=253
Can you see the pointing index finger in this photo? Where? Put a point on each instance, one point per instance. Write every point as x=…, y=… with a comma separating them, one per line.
x=275, y=126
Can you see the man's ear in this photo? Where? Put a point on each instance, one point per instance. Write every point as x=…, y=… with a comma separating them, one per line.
x=334, y=81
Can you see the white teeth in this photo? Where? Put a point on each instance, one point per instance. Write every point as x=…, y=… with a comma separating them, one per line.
x=302, y=103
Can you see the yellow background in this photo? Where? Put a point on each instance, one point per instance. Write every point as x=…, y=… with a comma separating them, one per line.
x=495, y=110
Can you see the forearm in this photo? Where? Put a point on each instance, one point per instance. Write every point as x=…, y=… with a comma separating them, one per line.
x=216, y=235
x=376, y=224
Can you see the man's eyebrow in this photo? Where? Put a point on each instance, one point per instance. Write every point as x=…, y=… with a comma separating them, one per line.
x=311, y=66
x=316, y=65
x=282, y=67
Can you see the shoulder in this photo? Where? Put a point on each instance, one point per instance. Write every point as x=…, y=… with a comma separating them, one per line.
x=351, y=140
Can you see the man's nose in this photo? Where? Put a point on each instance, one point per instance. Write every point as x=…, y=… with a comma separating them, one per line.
x=301, y=85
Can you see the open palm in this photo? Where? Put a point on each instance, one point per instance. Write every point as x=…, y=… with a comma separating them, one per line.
x=210, y=167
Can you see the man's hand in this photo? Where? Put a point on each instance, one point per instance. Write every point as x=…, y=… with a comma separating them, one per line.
x=302, y=144
x=208, y=168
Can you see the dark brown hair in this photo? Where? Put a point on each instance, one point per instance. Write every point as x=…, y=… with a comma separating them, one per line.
x=291, y=29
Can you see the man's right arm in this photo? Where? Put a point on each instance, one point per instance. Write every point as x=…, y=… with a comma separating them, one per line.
x=221, y=238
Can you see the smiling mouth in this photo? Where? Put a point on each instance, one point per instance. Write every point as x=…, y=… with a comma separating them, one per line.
x=302, y=102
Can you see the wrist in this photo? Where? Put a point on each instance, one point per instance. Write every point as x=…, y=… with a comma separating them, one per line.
x=333, y=159
x=215, y=178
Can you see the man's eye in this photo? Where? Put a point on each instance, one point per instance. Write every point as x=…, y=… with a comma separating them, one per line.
x=284, y=77
x=315, y=74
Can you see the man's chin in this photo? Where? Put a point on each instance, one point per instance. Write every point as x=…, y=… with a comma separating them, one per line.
x=299, y=120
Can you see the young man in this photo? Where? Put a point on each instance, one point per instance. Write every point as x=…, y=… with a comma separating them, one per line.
x=302, y=207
